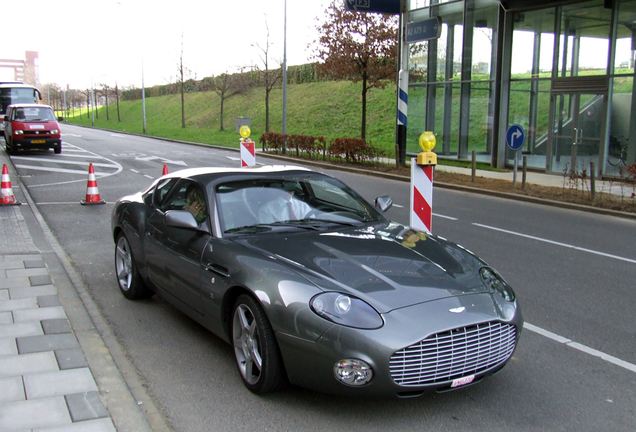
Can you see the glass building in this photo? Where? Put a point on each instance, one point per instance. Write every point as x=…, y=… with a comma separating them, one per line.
x=563, y=70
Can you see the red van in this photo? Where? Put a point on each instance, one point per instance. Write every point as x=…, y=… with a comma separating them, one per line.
x=31, y=126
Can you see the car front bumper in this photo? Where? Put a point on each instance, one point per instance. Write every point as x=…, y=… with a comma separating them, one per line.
x=36, y=143
x=473, y=343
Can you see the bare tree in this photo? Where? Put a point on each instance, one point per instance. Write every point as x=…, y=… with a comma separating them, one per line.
x=87, y=94
x=105, y=92
x=182, y=74
x=269, y=78
x=226, y=86
x=117, y=98
x=358, y=47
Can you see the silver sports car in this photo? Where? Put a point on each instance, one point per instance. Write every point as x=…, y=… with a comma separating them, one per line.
x=312, y=285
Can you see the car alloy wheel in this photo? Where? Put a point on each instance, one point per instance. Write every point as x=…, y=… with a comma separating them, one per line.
x=255, y=347
x=130, y=283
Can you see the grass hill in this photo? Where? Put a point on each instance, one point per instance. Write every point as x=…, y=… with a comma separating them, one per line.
x=330, y=109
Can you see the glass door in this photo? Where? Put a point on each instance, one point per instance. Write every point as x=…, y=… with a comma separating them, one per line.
x=577, y=133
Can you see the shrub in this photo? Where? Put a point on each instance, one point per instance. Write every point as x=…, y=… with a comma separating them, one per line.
x=354, y=150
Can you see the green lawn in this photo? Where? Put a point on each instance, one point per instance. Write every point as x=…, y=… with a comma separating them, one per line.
x=329, y=109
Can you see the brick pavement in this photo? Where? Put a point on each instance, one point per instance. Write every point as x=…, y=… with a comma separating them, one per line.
x=46, y=382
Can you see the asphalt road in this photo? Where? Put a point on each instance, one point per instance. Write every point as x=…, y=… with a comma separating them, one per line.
x=574, y=273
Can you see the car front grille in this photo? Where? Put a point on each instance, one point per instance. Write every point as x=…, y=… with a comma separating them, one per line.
x=454, y=354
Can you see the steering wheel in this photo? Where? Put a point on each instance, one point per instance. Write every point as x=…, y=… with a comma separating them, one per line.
x=316, y=211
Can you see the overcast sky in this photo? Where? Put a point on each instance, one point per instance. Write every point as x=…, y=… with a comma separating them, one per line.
x=80, y=41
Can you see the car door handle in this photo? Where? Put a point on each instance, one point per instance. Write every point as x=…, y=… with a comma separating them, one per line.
x=222, y=271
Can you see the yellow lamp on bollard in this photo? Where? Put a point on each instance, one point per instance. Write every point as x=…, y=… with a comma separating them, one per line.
x=427, y=143
x=245, y=132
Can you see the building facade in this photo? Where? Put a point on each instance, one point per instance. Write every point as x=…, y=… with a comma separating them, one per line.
x=563, y=70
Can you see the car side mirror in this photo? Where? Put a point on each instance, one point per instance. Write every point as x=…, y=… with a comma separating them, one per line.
x=181, y=219
x=60, y=119
x=383, y=203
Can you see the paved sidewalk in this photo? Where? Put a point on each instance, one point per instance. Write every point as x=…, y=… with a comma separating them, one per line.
x=56, y=373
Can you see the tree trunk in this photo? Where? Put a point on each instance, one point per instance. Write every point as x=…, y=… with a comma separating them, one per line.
x=222, y=100
x=117, y=98
x=266, y=109
x=363, y=129
x=107, y=114
x=183, y=125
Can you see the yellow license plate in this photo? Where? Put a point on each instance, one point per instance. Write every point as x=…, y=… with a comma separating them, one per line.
x=38, y=141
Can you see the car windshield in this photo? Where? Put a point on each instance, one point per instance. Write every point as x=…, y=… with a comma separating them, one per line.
x=34, y=114
x=312, y=202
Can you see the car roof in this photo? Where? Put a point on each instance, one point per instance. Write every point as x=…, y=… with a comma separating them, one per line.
x=30, y=105
x=15, y=84
x=225, y=171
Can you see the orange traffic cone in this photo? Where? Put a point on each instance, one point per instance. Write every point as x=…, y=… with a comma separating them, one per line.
x=92, y=194
x=6, y=193
x=165, y=169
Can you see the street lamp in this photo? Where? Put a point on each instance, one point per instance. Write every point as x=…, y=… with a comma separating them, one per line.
x=285, y=80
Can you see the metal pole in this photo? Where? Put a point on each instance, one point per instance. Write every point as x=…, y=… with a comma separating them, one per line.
x=93, y=104
x=592, y=181
x=403, y=89
x=285, y=79
x=525, y=172
x=143, y=96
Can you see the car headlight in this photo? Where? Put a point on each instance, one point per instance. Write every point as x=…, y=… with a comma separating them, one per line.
x=496, y=283
x=55, y=131
x=346, y=310
x=18, y=132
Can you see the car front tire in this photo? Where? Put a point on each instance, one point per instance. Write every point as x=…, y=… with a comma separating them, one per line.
x=255, y=348
x=128, y=278
x=57, y=149
x=11, y=149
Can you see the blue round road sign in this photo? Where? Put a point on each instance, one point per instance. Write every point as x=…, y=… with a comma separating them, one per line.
x=515, y=137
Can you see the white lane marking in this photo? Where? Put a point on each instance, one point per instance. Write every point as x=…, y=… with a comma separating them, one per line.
x=166, y=161
x=398, y=206
x=70, y=134
x=135, y=171
x=118, y=135
x=629, y=260
x=57, y=170
x=445, y=217
x=72, y=149
x=66, y=154
x=112, y=164
x=68, y=162
x=150, y=177
x=587, y=350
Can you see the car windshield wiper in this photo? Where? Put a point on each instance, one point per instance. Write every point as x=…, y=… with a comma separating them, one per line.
x=263, y=226
x=339, y=222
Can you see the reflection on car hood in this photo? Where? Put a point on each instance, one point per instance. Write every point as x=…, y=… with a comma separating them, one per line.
x=390, y=266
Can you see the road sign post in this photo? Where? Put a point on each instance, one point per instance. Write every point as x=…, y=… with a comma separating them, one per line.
x=515, y=138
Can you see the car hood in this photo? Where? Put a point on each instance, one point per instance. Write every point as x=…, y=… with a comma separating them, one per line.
x=389, y=266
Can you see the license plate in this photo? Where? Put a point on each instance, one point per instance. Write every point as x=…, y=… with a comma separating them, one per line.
x=462, y=381
x=38, y=141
